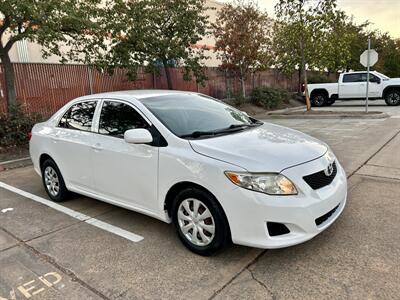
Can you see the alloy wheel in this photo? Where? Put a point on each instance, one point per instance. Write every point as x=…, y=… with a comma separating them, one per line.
x=51, y=180
x=196, y=222
x=319, y=100
x=393, y=98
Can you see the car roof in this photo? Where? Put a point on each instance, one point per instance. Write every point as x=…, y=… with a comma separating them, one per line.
x=137, y=94
x=358, y=72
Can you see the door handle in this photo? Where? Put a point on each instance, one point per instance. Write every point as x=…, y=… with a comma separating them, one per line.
x=97, y=147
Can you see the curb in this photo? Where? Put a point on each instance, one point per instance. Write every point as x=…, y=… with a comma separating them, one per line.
x=335, y=116
x=15, y=163
x=278, y=112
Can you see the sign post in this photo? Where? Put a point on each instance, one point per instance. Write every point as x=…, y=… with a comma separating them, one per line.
x=368, y=59
x=368, y=68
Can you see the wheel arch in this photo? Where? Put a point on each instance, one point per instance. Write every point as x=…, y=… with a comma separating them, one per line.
x=180, y=186
x=320, y=91
x=390, y=88
x=43, y=157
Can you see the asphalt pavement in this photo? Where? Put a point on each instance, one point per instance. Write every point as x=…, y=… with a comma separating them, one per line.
x=48, y=254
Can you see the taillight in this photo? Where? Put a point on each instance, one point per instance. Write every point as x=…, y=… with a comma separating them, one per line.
x=29, y=135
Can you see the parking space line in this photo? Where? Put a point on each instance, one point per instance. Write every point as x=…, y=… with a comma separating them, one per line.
x=75, y=214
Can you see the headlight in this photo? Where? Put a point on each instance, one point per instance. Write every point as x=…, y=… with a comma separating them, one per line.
x=272, y=184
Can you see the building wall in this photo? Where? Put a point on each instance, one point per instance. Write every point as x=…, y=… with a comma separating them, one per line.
x=25, y=51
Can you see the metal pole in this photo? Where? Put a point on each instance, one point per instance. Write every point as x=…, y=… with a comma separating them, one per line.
x=90, y=78
x=368, y=63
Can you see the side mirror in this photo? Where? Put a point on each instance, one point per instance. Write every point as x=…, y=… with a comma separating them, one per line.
x=375, y=80
x=138, y=136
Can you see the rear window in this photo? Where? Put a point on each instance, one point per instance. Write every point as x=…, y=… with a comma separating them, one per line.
x=352, y=78
x=79, y=116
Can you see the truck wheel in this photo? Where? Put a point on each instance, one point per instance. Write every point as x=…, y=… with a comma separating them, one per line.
x=392, y=98
x=319, y=99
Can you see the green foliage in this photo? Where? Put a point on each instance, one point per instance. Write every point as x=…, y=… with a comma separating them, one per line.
x=268, y=97
x=239, y=99
x=242, y=34
x=319, y=78
x=310, y=34
x=15, y=126
x=52, y=24
x=155, y=34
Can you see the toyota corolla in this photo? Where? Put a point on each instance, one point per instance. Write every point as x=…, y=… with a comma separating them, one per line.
x=217, y=174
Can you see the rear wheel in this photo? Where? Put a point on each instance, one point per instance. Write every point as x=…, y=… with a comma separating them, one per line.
x=392, y=98
x=53, y=181
x=200, y=222
x=319, y=99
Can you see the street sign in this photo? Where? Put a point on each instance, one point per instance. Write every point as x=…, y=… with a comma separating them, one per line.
x=368, y=59
x=373, y=58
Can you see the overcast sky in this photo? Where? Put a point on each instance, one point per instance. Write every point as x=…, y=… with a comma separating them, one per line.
x=385, y=14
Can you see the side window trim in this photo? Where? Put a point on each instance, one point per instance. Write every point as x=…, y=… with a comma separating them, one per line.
x=58, y=120
x=96, y=116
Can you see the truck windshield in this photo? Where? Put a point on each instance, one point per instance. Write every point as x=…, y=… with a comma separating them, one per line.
x=383, y=76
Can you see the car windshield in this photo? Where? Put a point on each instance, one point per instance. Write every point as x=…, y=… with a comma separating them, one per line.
x=194, y=116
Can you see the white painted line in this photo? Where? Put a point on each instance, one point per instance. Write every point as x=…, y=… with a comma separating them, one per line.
x=14, y=160
x=75, y=214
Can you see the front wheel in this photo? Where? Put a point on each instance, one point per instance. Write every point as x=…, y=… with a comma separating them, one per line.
x=200, y=222
x=392, y=98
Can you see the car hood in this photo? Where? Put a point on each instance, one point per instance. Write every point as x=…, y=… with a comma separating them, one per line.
x=394, y=80
x=267, y=148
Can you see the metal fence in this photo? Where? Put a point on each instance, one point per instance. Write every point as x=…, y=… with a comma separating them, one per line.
x=44, y=88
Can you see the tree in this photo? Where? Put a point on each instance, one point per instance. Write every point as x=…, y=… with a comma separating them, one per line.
x=242, y=34
x=60, y=26
x=387, y=47
x=155, y=34
x=301, y=28
x=335, y=43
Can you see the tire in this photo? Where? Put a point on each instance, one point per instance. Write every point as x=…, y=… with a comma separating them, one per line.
x=392, y=98
x=53, y=181
x=212, y=232
x=319, y=99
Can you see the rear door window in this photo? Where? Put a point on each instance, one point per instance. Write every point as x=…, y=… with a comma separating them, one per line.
x=352, y=78
x=79, y=116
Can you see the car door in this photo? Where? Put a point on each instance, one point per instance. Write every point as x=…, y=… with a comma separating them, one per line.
x=124, y=172
x=71, y=144
x=350, y=87
x=373, y=87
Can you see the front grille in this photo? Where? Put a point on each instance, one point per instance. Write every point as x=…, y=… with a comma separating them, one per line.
x=320, y=179
x=326, y=216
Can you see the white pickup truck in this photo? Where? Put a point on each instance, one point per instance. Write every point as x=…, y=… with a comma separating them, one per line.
x=352, y=85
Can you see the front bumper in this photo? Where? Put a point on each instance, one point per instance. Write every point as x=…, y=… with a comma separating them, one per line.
x=248, y=212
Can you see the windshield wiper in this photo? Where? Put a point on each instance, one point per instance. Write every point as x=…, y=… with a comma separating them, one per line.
x=231, y=128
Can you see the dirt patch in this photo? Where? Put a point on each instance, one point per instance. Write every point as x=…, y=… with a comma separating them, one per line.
x=255, y=110
x=12, y=153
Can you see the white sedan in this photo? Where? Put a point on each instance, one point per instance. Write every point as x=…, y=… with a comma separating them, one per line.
x=216, y=173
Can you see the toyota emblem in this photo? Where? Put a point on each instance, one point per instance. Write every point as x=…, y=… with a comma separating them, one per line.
x=329, y=170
